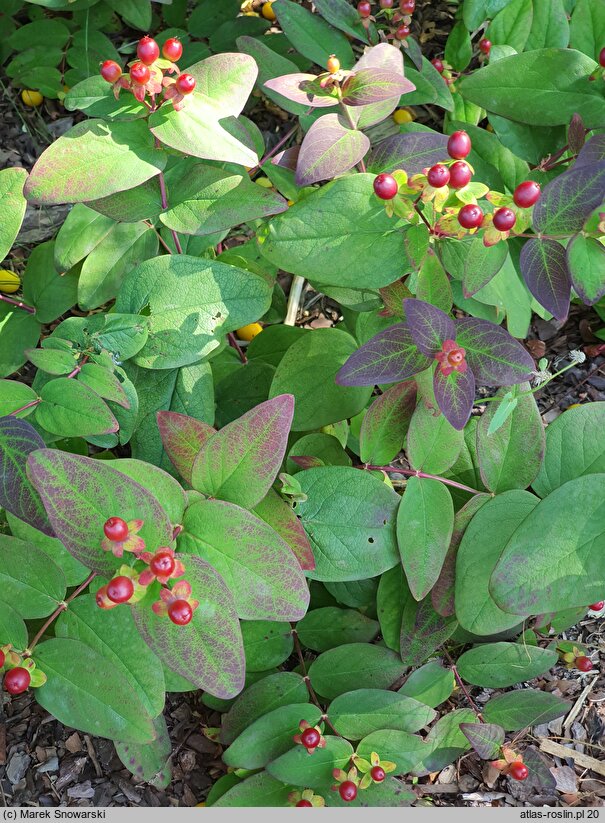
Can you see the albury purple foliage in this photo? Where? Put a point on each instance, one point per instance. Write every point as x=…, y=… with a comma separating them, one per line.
x=544, y=267
x=428, y=325
x=455, y=395
x=412, y=152
x=389, y=357
x=18, y=439
x=567, y=201
x=496, y=358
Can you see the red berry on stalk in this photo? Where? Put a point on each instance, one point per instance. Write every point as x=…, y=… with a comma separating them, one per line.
x=602, y=57
x=16, y=681
x=460, y=174
x=402, y=32
x=115, y=528
x=185, y=83
x=110, y=71
x=438, y=64
x=162, y=564
x=140, y=73
x=148, y=50
x=348, y=791
x=364, y=8
x=438, y=175
x=407, y=6
x=378, y=774
x=526, y=194
x=310, y=738
x=470, y=216
x=485, y=45
x=459, y=145
x=584, y=663
x=304, y=803
x=385, y=186
x=120, y=589
x=386, y=4
x=180, y=612
x=172, y=49
x=597, y=607
x=518, y=770
x=504, y=219
x=2, y=658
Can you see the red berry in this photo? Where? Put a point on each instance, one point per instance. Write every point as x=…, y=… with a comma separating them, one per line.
x=116, y=529
x=518, y=770
x=304, y=803
x=594, y=607
x=504, y=219
x=386, y=4
x=460, y=174
x=103, y=602
x=407, y=6
x=185, y=83
x=148, y=50
x=120, y=589
x=348, y=791
x=526, y=194
x=140, y=73
x=485, y=45
x=385, y=186
x=602, y=57
x=459, y=145
x=402, y=32
x=16, y=681
x=172, y=49
x=470, y=216
x=364, y=8
x=438, y=64
x=162, y=564
x=310, y=738
x=584, y=664
x=180, y=612
x=2, y=658
x=110, y=71
x=378, y=774
x=438, y=176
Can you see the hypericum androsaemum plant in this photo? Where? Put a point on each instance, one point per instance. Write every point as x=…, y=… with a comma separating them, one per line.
x=313, y=527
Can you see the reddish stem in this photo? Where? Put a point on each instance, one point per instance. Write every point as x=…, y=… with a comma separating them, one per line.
x=17, y=303
x=233, y=342
x=307, y=679
x=60, y=608
x=175, y=237
x=414, y=473
x=27, y=406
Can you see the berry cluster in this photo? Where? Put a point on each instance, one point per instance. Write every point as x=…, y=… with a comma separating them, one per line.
x=21, y=673
x=361, y=774
x=129, y=586
x=576, y=658
x=399, y=17
x=511, y=764
x=148, y=75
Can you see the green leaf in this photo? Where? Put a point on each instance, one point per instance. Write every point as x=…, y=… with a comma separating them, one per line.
x=13, y=206
x=95, y=96
x=392, y=595
x=182, y=437
x=158, y=483
x=524, y=707
x=259, y=790
x=71, y=409
x=52, y=361
x=512, y=25
x=342, y=16
x=478, y=554
x=20, y=330
x=85, y=692
x=123, y=155
x=400, y=747
x=256, y=564
x=363, y=711
x=328, y=627
x=587, y=31
x=51, y=294
x=433, y=444
x=349, y=517
x=270, y=65
x=72, y=569
x=317, y=358
x=554, y=560
x=497, y=665
x=357, y=244
x=586, y=264
x=269, y=736
x=545, y=87
x=104, y=383
x=15, y=395
x=12, y=628
x=298, y=769
x=266, y=644
x=445, y=741
x=46, y=32
x=354, y=666
x=208, y=651
x=190, y=302
x=423, y=631
x=431, y=684
x=549, y=25
x=330, y=148
x=31, y=583
x=311, y=36
x=433, y=284
x=458, y=47
x=81, y=232
x=385, y=424
x=574, y=447
x=151, y=761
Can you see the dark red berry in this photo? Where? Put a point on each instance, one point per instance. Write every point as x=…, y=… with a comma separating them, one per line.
x=460, y=174
x=172, y=49
x=348, y=791
x=103, y=602
x=385, y=186
x=364, y=8
x=595, y=607
x=16, y=681
x=148, y=50
x=180, y=612
x=2, y=658
x=303, y=803
x=584, y=664
x=438, y=175
x=504, y=219
x=407, y=6
x=438, y=64
x=518, y=770
x=386, y=4
x=162, y=564
x=310, y=738
x=485, y=45
x=140, y=73
x=110, y=71
x=526, y=194
x=120, y=589
x=602, y=57
x=116, y=529
x=185, y=83
x=470, y=216
x=402, y=32
x=459, y=145
x=378, y=774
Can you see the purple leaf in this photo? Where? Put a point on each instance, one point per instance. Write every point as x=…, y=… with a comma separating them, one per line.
x=301, y=88
x=330, y=148
x=287, y=159
x=373, y=85
x=576, y=135
x=567, y=201
x=18, y=439
x=485, y=738
x=382, y=56
x=544, y=269
x=495, y=358
x=389, y=357
x=428, y=325
x=455, y=395
x=412, y=152
x=592, y=153
x=182, y=438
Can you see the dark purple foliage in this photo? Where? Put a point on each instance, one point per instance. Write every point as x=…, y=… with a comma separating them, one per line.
x=389, y=357
x=330, y=148
x=412, y=152
x=455, y=395
x=373, y=85
x=593, y=152
x=544, y=269
x=567, y=201
x=18, y=439
x=496, y=358
x=429, y=326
